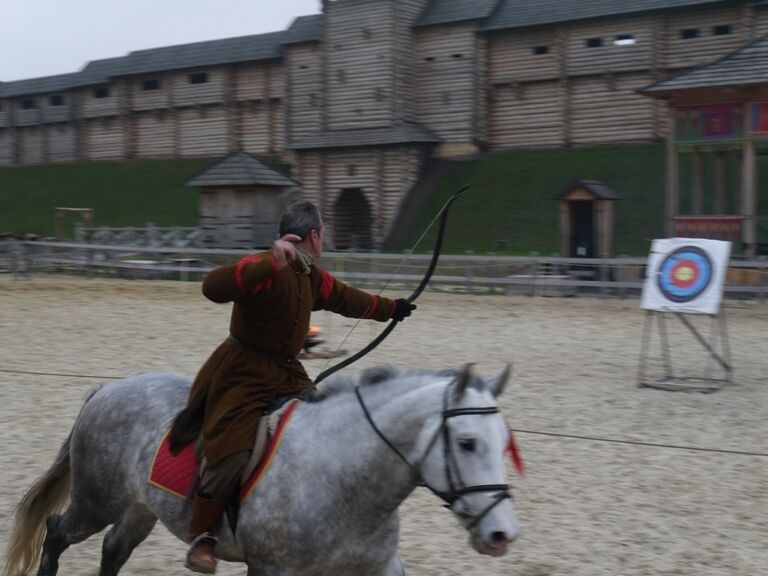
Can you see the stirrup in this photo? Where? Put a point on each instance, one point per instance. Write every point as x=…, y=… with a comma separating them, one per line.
x=211, y=541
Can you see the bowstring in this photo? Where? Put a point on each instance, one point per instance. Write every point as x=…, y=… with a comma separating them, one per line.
x=389, y=280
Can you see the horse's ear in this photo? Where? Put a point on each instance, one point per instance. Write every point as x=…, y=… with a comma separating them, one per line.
x=465, y=377
x=496, y=385
x=377, y=374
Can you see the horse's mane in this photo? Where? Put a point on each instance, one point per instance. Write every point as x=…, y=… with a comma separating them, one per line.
x=377, y=374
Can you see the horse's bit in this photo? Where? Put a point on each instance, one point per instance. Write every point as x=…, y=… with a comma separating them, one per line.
x=457, y=488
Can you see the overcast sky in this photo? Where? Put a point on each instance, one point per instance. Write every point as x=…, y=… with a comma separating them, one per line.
x=46, y=37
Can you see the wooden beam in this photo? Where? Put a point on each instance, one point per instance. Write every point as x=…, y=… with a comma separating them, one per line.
x=698, y=182
x=720, y=181
x=673, y=177
x=748, y=186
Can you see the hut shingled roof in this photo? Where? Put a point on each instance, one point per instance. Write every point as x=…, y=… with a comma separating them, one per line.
x=240, y=169
x=597, y=188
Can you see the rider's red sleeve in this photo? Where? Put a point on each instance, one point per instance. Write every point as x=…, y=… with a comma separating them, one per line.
x=247, y=277
x=334, y=295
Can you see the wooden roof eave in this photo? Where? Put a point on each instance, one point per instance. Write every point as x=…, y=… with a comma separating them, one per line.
x=708, y=94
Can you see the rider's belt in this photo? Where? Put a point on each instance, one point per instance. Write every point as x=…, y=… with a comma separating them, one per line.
x=284, y=360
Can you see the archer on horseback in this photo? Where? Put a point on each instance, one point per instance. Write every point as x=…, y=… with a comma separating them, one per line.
x=273, y=295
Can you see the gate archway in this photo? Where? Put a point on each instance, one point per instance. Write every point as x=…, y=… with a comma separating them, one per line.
x=352, y=220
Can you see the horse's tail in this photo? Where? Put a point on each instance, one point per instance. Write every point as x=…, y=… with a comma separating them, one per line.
x=47, y=496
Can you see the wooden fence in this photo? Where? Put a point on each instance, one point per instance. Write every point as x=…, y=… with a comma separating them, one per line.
x=529, y=275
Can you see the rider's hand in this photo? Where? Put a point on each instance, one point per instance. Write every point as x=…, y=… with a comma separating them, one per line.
x=284, y=249
x=403, y=309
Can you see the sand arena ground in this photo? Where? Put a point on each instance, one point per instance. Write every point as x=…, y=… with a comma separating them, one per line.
x=587, y=507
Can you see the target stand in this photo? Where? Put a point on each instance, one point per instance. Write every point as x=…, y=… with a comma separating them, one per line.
x=717, y=347
x=686, y=277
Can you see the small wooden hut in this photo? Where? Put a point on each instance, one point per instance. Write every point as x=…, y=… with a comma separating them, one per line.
x=587, y=220
x=241, y=200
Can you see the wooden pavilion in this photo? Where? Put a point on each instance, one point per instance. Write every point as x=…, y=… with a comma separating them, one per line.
x=241, y=200
x=718, y=116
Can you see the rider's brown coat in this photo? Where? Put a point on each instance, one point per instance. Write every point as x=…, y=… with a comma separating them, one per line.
x=271, y=312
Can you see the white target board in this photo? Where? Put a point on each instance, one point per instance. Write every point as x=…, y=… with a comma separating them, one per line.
x=686, y=275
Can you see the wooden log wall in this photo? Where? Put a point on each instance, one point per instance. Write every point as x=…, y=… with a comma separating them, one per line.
x=95, y=107
x=105, y=139
x=384, y=176
x=203, y=131
x=403, y=103
x=61, y=142
x=7, y=147
x=759, y=21
x=359, y=51
x=31, y=144
x=255, y=123
x=707, y=46
x=584, y=77
x=185, y=93
x=144, y=97
x=608, y=108
x=612, y=55
x=525, y=115
x=154, y=133
x=304, y=91
x=519, y=88
x=446, y=81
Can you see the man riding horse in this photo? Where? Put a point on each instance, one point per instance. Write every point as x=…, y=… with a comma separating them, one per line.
x=274, y=293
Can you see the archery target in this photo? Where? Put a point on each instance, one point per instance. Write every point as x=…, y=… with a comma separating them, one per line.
x=686, y=275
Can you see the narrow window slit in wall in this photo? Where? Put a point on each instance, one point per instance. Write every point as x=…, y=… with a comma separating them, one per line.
x=721, y=30
x=625, y=40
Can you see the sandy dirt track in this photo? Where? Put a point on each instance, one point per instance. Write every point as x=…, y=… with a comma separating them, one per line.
x=587, y=507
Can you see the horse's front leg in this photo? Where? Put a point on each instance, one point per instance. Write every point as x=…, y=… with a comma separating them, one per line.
x=395, y=567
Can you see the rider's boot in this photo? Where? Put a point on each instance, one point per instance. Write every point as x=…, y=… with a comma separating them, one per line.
x=206, y=515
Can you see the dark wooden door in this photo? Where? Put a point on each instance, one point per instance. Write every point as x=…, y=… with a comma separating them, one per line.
x=583, y=230
x=352, y=222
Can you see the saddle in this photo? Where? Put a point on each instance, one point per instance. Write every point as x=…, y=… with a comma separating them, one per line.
x=179, y=474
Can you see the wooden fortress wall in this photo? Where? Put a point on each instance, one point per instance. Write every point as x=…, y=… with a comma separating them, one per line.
x=555, y=85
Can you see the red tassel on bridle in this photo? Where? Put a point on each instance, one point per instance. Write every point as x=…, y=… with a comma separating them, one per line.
x=514, y=454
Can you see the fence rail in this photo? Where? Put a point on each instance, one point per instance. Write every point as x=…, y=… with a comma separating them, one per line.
x=531, y=275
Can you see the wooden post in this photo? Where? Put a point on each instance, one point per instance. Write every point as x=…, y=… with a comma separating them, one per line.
x=748, y=186
x=673, y=178
x=720, y=181
x=698, y=182
x=565, y=85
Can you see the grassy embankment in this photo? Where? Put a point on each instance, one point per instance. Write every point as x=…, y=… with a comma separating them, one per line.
x=511, y=209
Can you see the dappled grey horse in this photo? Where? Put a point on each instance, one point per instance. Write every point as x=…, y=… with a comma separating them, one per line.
x=329, y=503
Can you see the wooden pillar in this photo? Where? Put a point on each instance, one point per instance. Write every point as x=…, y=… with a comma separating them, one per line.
x=565, y=85
x=720, y=181
x=673, y=177
x=748, y=186
x=565, y=229
x=698, y=182
x=126, y=119
x=172, y=81
x=232, y=107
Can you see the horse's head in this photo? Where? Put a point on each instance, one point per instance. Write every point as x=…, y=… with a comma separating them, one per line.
x=464, y=463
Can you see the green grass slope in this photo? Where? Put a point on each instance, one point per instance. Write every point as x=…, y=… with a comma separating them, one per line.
x=121, y=194
x=512, y=205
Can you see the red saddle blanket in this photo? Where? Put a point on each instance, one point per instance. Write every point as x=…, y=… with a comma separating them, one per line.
x=175, y=474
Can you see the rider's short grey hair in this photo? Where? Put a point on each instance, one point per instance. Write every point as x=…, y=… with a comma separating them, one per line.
x=300, y=218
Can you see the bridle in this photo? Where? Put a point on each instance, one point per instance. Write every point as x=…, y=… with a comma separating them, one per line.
x=457, y=487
